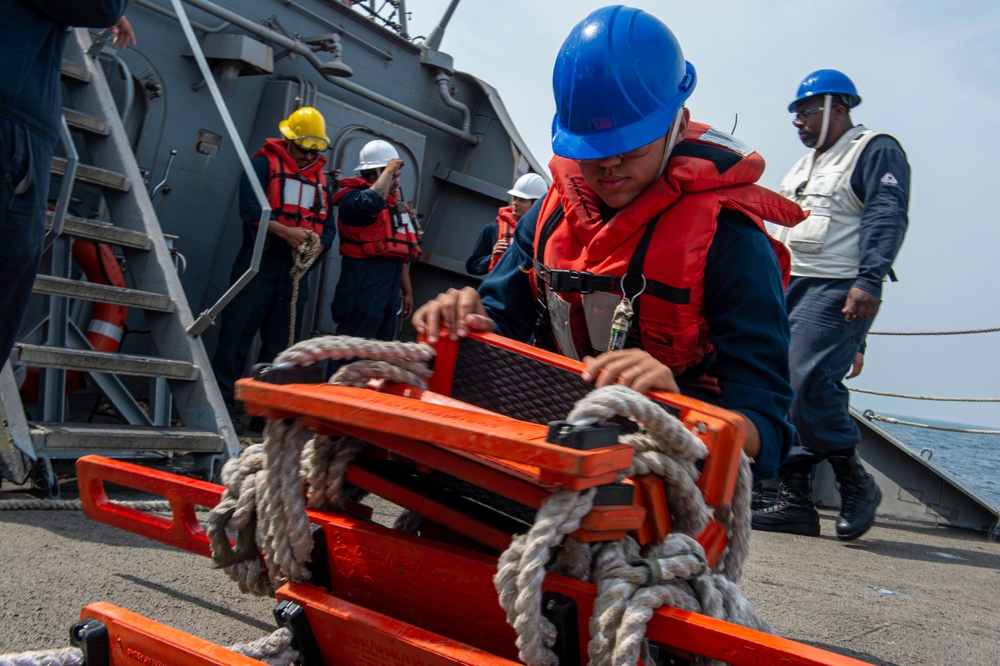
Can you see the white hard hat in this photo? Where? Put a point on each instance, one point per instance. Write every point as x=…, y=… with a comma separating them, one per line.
x=375, y=155
x=529, y=186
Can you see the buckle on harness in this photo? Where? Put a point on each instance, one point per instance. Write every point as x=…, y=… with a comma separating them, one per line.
x=567, y=281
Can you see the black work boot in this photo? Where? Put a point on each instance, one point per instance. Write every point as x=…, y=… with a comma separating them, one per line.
x=859, y=496
x=761, y=497
x=794, y=512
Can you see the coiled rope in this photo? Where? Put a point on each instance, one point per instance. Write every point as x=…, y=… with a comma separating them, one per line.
x=270, y=485
x=632, y=581
x=303, y=258
x=275, y=649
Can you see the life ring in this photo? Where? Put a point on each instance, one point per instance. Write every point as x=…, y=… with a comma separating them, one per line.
x=107, y=320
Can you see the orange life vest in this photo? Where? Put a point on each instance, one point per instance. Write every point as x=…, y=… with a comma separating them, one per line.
x=505, y=230
x=660, y=241
x=390, y=235
x=297, y=198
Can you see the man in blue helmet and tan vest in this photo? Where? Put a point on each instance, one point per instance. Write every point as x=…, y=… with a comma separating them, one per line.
x=648, y=251
x=290, y=169
x=856, y=183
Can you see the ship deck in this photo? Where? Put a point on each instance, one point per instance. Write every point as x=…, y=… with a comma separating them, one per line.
x=903, y=594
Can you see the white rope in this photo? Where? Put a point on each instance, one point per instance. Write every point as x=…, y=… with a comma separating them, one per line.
x=872, y=416
x=968, y=332
x=631, y=582
x=275, y=649
x=76, y=505
x=303, y=258
x=919, y=397
x=521, y=569
x=59, y=657
x=411, y=355
x=274, y=481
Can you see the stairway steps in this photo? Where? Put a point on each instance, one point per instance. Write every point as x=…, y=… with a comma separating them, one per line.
x=72, y=70
x=92, y=175
x=87, y=123
x=101, y=232
x=89, y=360
x=88, y=291
x=76, y=437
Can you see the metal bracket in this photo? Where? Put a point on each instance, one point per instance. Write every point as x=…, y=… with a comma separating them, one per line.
x=291, y=616
x=319, y=559
x=289, y=374
x=582, y=437
x=91, y=636
x=561, y=611
x=614, y=494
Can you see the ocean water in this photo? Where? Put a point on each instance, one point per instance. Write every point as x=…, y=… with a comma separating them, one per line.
x=972, y=459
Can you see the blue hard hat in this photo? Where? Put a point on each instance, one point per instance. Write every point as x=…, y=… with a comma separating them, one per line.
x=619, y=80
x=827, y=82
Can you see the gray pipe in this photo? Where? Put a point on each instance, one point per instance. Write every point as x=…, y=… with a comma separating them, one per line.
x=169, y=14
x=310, y=57
x=443, y=81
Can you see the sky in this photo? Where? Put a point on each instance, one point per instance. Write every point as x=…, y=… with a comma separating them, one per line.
x=928, y=72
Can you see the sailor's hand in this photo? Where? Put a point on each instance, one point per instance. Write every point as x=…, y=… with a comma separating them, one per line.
x=394, y=165
x=633, y=368
x=857, y=366
x=500, y=247
x=860, y=305
x=407, y=304
x=123, y=33
x=458, y=310
x=296, y=236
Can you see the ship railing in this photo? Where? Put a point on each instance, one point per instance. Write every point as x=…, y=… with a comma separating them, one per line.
x=871, y=415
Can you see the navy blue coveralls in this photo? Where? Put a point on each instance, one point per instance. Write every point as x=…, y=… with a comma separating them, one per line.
x=367, y=301
x=33, y=37
x=478, y=262
x=265, y=303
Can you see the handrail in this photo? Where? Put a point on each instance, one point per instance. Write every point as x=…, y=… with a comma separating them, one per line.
x=66, y=187
x=207, y=318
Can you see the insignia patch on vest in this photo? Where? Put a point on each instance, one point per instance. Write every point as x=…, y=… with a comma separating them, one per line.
x=888, y=179
x=726, y=141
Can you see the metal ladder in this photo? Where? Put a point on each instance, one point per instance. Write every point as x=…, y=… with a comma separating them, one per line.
x=177, y=363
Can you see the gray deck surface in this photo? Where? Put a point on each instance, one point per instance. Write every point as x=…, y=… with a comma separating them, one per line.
x=903, y=594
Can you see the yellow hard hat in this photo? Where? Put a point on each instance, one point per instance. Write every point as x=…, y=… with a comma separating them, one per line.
x=307, y=128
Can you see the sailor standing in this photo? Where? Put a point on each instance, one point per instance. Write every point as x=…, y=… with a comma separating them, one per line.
x=379, y=237
x=496, y=236
x=33, y=37
x=291, y=171
x=856, y=184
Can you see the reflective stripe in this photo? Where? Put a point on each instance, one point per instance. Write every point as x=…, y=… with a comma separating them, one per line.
x=299, y=194
x=726, y=141
x=106, y=329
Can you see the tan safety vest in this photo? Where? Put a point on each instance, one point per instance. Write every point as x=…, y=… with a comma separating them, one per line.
x=826, y=245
